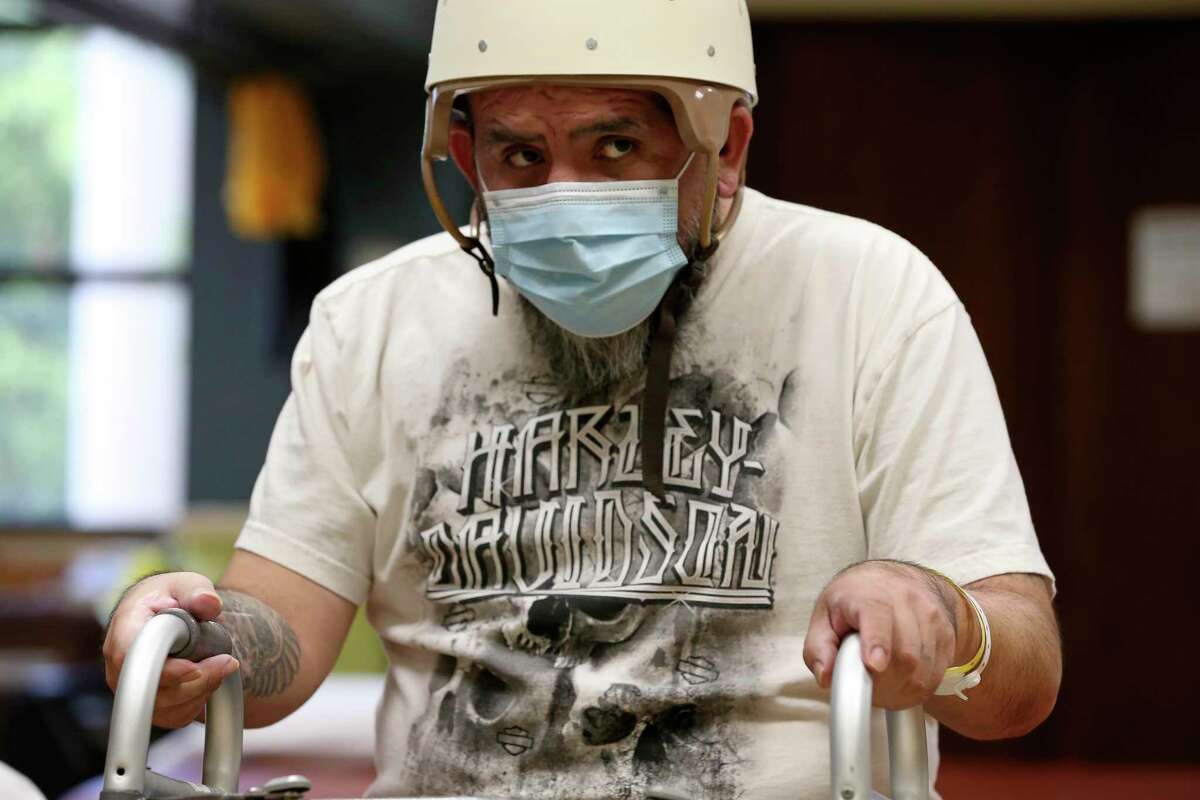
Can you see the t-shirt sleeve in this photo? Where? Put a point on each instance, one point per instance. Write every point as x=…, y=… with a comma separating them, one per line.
x=938, y=481
x=306, y=512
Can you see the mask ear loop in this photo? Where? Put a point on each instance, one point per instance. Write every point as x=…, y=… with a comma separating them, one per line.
x=476, y=219
x=679, y=176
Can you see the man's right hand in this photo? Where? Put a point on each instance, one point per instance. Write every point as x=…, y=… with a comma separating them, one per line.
x=185, y=685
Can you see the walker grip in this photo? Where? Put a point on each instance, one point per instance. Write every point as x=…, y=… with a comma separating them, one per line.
x=205, y=639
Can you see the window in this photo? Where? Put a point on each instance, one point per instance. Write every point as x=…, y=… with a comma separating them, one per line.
x=96, y=158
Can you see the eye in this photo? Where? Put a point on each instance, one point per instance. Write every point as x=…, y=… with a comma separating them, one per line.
x=525, y=157
x=613, y=149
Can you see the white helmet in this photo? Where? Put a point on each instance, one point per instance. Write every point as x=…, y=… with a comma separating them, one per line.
x=697, y=54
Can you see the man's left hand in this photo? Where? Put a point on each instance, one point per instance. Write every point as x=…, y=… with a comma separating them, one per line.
x=908, y=621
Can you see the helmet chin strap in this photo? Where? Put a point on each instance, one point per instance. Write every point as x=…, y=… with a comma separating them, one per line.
x=664, y=327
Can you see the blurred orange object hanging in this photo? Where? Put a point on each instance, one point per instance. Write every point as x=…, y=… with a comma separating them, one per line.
x=276, y=168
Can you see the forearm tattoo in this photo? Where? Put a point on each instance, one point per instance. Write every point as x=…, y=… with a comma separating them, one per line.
x=263, y=643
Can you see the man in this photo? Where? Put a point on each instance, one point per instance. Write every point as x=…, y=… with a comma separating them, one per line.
x=613, y=520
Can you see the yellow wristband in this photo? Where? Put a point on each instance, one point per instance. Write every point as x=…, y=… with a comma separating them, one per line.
x=956, y=680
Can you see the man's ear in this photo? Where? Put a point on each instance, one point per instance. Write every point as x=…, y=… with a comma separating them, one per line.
x=462, y=150
x=735, y=151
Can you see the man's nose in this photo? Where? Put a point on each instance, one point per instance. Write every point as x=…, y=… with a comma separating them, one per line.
x=563, y=171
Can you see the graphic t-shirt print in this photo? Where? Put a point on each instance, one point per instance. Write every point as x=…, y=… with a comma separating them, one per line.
x=593, y=627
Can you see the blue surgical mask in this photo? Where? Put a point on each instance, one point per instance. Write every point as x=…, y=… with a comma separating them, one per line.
x=596, y=258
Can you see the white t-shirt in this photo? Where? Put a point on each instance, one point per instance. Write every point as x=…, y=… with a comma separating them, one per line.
x=553, y=630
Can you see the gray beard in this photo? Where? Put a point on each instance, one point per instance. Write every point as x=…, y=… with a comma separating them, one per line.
x=583, y=365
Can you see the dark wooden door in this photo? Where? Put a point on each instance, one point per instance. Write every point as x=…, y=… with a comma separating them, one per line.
x=1015, y=156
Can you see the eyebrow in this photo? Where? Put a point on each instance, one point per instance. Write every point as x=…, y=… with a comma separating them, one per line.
x=500, y=134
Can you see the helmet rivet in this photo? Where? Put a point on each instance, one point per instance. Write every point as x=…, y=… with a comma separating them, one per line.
x=482, y=46
x=712, y=51
x=592, y=44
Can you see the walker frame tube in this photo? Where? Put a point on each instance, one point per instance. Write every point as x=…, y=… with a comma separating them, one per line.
x=850, y=735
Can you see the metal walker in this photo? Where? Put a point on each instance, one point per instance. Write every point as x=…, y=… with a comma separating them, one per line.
x=176, y=633
x=126, y=777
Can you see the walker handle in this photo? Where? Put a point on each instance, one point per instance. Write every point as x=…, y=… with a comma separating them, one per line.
x=172, y=632
x=850, y=735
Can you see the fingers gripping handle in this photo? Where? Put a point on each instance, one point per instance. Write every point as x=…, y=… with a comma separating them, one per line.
x=850, y=735
x=204, y=639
